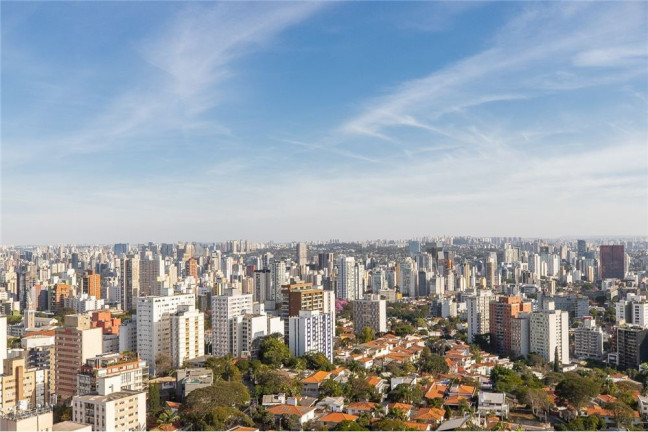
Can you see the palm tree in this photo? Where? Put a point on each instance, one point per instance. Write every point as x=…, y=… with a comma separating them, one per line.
x=167, y=416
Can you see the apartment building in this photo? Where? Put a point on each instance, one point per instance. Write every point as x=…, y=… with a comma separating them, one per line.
x=370, y=312
x=131, y=370
x=187, y=335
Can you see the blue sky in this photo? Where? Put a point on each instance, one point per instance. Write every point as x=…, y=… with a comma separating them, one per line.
x=160, y=121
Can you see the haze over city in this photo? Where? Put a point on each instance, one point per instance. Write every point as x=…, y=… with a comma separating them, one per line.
x=142, y=121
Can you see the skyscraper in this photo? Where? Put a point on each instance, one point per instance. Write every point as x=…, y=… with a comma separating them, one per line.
x=154, y=324
x=224, y=309
x=346, y=288
x=501, y=314
x=311, y=331
x=549, y=334
x=92, y=284
x=301, y=256
x=612, y=261
x=129, y=282
x=478, y=313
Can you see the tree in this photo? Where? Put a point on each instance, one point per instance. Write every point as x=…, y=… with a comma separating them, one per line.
x=357, y=389
x=14, y=319
x=289, y=422
x=576, y=389
x=556, y=365
x=62, y=413
x=154, y=398
x=406, y=393
x=366, y=335
x=622, y=413
x=389, y=425
x=432, y=363
x=163, y=363
x=505, y=380
x=349, y=425
x=225, y=417
x=330, y=388
x=167, y=416
x=538, y=399
x=448, y=412
x=271, y=382
x=396, y=414
x=273, y=351
x=318, y=361
x=403, y=329
x=223, y=368
x=221, y=393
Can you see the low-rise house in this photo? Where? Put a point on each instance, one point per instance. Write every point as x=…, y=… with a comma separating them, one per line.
x=359, y=408
x=331, y=420
x=429, y=415
x=311, y=384
x=273, y=399
x=378, y=383
x=418, y=426
x=331, y=404
x=412, y=379
x=406, y=408
x=494, y=403
x=188, y=380
x=642, y=404
x=436, y=390
x=303, y=414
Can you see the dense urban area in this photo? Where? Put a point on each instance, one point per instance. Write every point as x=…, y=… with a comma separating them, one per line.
x=447, y=333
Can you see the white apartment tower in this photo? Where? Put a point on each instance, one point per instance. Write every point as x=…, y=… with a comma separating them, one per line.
x=346, y=288
x=548, y=332
x=478, y=312
x=224, y=327
x=154, y=324
x=311, y=331
x=187, y=335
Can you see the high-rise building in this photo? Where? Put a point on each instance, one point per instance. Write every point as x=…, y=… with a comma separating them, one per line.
x=278, y=271
x=549, y=334
x=501, y=313
x=520, y=335
x=582, y=248
x=253, y=326
x=346, y=287
x=301, y=254
x=3, y=339
x=191, y=268
x=632, y=346
x=370, y=312
x=225, y=309
x=588, y=340
x=262, y=285
x=151, y=269
x=612, y=261
x=325, y=261
x=129, y=282
x=111, y=410
x=91, y=284
x=187, y=334
x=61, y=291
x=478, y=312
x=311, y=331
x=21, y=387
x=130, y=369
x=407, y=277
x=154, y=324
x=491, y=274
x=75, y=343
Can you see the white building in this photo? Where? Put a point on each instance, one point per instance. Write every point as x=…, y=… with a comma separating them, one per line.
x=224, y=327
x=128, y=335
x=370, y=312
x=251, y=327
x=346, y=283
x=407, y=277
x=111, y=410
x=548, y=332
x=311, y=331
x=83, y=303
x=187, y=335
x=588, y=340
x=154, y=324
x=478, y=312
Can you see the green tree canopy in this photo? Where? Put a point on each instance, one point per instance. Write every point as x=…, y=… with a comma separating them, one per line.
x=331, y=388
x=366, y=335
x=221, y=393
x=271, y=382
x=318, y=361
x=273, y=351
x=576, y=389
x=226, y=417
x=432, y=363
x=348, y=425
x=357, y=389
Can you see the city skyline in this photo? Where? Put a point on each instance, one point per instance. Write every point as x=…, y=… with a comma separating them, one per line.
x=304, y=121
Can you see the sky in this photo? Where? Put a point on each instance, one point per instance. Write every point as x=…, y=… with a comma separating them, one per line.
x=205, y=121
